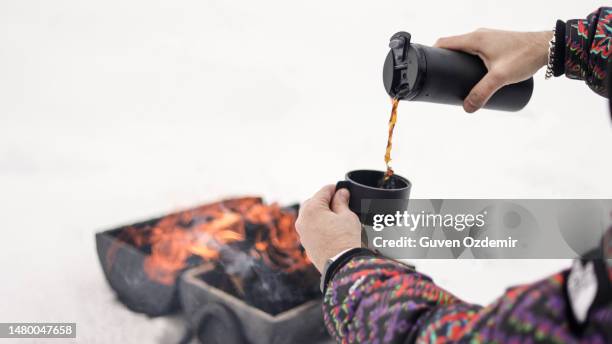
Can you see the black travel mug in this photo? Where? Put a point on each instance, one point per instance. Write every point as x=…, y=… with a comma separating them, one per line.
x=368, y=198
x=420, y=73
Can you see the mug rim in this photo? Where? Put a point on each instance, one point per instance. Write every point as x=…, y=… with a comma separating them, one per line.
x=405, y=180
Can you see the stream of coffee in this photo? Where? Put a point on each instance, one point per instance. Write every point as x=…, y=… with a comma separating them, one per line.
x=392, y=120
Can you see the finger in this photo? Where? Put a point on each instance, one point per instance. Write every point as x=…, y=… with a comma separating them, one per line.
x=323, y=197
x=340, y=201
x=468, y=43
x=482, y=92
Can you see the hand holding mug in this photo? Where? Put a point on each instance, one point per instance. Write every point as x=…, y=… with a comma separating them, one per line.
x=328, y=223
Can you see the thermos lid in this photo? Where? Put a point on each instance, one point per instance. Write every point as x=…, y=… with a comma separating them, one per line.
x=403, y=69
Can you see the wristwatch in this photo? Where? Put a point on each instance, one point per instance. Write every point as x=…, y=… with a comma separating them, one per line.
x=336, y=262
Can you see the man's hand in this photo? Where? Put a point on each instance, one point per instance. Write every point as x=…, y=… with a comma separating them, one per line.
x=327, y=226
x=509, y=56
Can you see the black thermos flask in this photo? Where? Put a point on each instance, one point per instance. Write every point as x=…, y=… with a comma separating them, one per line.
x=420, y=73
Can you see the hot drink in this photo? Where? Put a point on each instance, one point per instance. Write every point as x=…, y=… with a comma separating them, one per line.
x=387, y=182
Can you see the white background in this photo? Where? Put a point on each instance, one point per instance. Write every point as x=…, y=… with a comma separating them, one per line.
x=115, y=111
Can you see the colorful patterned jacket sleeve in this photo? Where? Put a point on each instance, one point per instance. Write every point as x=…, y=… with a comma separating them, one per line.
x=377, y=300
x=584, y=55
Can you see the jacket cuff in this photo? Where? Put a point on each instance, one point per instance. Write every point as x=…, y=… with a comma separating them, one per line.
x=558, y=67
x=340, y=261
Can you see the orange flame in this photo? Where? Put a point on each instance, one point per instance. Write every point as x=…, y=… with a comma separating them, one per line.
x=203, y=231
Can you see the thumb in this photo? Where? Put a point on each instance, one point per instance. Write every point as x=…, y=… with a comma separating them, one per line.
x=480, y=94
x=340, y=201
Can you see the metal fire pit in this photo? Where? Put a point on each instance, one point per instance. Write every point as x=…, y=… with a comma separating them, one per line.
x=123, y=265
x=126, y=276
x=215, y=316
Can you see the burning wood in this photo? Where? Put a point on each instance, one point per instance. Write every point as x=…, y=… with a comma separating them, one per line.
x=254, y=248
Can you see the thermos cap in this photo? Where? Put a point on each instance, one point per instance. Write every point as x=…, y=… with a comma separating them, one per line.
x=403, y=68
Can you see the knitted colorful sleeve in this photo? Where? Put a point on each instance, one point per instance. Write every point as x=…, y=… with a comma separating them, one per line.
x=377, y=300
x=584, y=55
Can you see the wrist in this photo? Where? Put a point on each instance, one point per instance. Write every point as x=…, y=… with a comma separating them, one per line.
x=332, y=253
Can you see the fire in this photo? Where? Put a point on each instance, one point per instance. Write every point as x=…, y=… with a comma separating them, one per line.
x=204, y=232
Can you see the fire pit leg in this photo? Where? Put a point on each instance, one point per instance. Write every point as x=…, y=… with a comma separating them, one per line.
x=218, y=324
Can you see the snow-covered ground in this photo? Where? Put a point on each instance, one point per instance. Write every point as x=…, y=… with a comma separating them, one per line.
x=115, y=111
